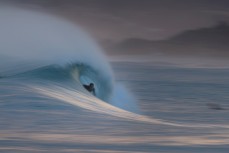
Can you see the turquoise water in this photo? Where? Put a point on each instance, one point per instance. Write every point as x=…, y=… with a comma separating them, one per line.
x=31, y=122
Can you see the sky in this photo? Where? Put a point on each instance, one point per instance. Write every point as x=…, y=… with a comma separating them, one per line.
x=112, y=21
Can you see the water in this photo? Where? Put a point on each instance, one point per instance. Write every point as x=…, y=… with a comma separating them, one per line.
x=31, y=122
x=138, y=107
x=179, y=91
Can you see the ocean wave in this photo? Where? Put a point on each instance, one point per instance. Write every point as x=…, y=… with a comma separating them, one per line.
x=55, y=58
x=38, y=46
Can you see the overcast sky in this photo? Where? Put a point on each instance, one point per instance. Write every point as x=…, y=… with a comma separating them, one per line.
x=116, y=20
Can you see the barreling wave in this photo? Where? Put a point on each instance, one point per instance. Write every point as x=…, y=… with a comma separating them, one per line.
x=42, y=44
x=37, y=46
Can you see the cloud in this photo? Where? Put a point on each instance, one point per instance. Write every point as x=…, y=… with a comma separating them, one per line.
x=217, y=12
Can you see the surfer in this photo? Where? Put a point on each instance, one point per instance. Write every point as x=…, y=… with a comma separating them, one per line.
x=90, y=88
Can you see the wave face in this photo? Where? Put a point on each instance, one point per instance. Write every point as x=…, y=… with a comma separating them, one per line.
x=70, y=76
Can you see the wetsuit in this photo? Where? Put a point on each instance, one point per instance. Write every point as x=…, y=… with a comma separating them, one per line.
x=90, y=88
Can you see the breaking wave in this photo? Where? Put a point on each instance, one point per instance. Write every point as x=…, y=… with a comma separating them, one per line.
x=35, y=45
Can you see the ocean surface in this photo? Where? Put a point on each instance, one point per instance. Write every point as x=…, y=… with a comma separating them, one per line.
x=138, y=108
x=176, y=110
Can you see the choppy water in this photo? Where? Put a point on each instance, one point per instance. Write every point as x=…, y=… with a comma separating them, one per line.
x=30, y=122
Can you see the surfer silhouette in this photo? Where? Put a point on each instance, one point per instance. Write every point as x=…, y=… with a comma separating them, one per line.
x=90, y=88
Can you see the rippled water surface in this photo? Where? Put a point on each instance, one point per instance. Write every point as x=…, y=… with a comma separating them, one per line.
x=30, y=122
